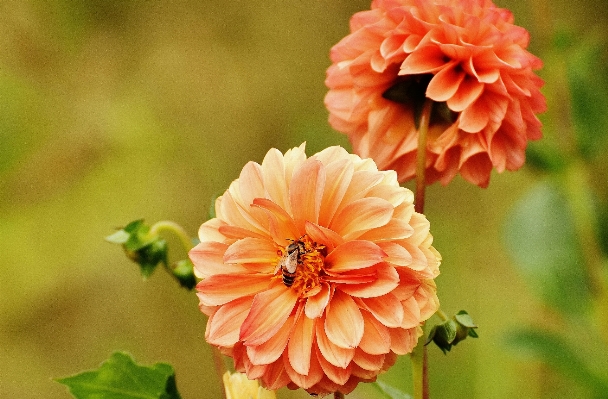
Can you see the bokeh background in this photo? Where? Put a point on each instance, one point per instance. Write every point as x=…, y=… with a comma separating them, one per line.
x=111, y=111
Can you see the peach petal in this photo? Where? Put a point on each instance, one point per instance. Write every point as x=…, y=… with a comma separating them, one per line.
x=387, y=309
x=411, y=313
x=275, y=376
x=253, y=371
x=299, y=349
x=209, y=231
x=251, y=183
x=314, y=375
x=445, y=83
x=273, y=171
x=324, y=236
x=344, y=322
x=337, y=375
x=223, y=288
x=271, y=350
x=469, y=91
x=396, y=254
x=282, y=225
x=223, y=326
x=474, y=118
x=208, y=259
x=362, y=215
x=339, y=357
x=339, y=175
x=251, y=250
x=234, y=232
x=376, y=336
x=353, y=255
x=367, y=361
x=269, y=311
x=423, y=60
x=315, y=305
x=404, y=341
x=395, y=229
x=306, y=191
x=385, y=281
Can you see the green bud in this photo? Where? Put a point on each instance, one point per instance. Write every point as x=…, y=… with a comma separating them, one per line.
x=452, y=331
x=183, y=271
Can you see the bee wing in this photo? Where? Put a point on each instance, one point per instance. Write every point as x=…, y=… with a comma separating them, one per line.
x=290, y=262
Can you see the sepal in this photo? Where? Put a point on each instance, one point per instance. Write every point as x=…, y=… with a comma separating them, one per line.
x=452, y=331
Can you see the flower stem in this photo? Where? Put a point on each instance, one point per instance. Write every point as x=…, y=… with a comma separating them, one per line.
x=441, y=314
x=425, y=118
x=167, y=225
x=338, y=395
x=419, y=354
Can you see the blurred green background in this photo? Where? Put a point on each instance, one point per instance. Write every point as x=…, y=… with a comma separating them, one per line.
x=111, y=111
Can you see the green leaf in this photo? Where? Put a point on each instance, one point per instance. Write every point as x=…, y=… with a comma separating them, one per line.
x=390, y=391
x=463, y=318
x=541, y=238
x=120, y=378
x=557, y=354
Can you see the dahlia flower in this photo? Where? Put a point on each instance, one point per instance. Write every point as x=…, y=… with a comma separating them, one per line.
x=467, y=57
x=316, y=271
x=237, y=386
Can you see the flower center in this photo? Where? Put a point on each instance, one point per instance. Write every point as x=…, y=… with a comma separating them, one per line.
x=309, y=269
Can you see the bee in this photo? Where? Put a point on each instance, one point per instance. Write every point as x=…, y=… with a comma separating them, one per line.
x=290, y=260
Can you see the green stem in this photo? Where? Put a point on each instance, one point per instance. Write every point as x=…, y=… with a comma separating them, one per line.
x=419, y=354
x=441, y=315
x=425, y=118
x=167, y=225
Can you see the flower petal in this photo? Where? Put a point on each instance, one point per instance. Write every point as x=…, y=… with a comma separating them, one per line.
x=362, y=215
x=251, y=250
x=353, y=255
x=376, y=336
x=208, y=259
x=339, y=375
x=299, y=349
x=269, y=311
x=271, y=350
x=367, y=361
x=404, y=341
x=385, y=281
x=387, y=309
x=306, y=191
x=339, y=357
x=315, y=305
x=223, y=326
x=344, y=322
x=315, y=373
x=223, y=288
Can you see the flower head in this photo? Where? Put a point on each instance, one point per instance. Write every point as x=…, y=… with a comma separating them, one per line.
x=316, y=271
x=237, y=386
x=464, y=55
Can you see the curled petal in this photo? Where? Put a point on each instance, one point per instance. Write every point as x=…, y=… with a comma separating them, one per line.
x=223, y=288
x=223, y=326
x=353, y=255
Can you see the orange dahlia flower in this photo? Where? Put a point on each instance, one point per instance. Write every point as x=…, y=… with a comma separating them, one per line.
x=464, y=55
x=316, y=271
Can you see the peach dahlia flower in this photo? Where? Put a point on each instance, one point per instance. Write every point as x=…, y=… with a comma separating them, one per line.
x=363, y=279
x=464, y=55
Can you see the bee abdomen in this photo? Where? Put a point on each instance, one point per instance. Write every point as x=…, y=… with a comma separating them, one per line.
x=288, y=278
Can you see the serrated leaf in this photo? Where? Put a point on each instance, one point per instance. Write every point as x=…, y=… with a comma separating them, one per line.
x=557, y=354
x=390, y=391
x=541, y=238
x=120, y=378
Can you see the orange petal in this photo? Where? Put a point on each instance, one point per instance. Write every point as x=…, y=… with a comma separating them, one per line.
x=387, y=309
x=209, y=231
x=315, y=373
x=223, y=327
x=362, y=215
x=251, y=183
x=251, y=250
x=338, y=375
x=396, y=229
x=339, y=357
x=272, y=349
x=323, y=235
x=470, y=89
x=376, y=336
x=223, y=288
x=424, y=60
x=299, y=349
x=275, y=376
x=208, y=259
x=397, y=255
x=339, y=175
x=269, y=311
x=386, y=280
x=367, y=361
x=315, y=305
x=403, y=341
x=344, y=322
x=282, y=225
x=411, y=313
x=445, y=83
x=475, y=117
x=273, y=169
x=353, y=255
x=306, y=191
x=238, y=232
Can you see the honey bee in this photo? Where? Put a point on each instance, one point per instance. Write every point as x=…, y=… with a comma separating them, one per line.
x=289, y=262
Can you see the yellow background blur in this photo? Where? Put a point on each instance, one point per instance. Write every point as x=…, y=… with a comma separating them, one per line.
x=111, y=111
